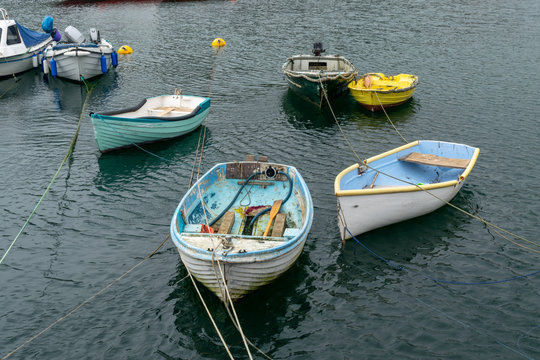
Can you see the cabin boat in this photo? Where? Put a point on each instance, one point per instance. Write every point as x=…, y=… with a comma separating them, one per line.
x=20, y=47
x=154, y=119
x=400, y=184
x=313, y=76
x=376, y=91
x=242, y=225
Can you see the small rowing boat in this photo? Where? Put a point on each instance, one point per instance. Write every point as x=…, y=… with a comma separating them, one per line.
x=311, y=76
x=400, y=184
x=376, y=91
x=154, y=119
x=242, y=225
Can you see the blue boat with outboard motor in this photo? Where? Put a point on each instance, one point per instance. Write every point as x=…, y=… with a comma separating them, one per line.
x=242, y=225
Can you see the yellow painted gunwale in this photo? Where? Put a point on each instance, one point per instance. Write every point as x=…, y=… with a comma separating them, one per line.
x=398, y=189
x=378, y=96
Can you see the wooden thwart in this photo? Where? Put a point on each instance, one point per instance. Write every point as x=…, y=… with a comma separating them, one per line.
x=166, y=110
x=279, y=225
x=435, y=160
x=226, y=223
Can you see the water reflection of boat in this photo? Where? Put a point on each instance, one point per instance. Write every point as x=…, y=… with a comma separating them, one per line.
x=118, y=167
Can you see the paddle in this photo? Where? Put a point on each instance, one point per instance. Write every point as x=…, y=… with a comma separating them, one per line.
x=273, y=213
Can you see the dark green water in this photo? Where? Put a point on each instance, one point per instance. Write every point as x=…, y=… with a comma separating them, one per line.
x=478, y=64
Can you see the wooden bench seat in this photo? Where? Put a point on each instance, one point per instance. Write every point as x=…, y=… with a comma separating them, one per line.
x=435, y=160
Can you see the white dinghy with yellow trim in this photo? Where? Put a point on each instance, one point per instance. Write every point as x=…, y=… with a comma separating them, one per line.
x=400, y=184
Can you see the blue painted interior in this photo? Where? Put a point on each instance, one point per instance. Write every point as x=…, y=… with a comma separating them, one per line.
x=410, y=172
x=218, y=191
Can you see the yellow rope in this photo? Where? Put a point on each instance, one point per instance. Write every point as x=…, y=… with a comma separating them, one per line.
x=84, y=302
x=430, y=193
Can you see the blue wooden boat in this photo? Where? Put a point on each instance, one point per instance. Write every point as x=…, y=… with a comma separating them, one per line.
x=311, y=76
x=242, y=225
x=154, y=119
x=400, y=184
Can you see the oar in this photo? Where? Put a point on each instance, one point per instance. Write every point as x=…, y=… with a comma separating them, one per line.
x=273, y=213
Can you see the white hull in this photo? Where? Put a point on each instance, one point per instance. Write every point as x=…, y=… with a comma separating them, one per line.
x=362, y=213
x=79, y=61
x=241, y=277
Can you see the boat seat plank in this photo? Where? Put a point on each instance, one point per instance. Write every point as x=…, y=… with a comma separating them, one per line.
x=435, y=160
x=164, y=110
x=226, y=223
x=279, y=225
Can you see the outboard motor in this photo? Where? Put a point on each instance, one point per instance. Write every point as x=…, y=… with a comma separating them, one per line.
x=318, y=49
x=94, y=36
x=73, y=35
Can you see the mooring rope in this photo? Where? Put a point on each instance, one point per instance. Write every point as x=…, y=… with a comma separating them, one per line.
x=401, y=267
x=429, y=192
x=70, y=150
x=522, y=336
x=15, y=81
x=85, y=301
x=388, y=118
x=472, y=328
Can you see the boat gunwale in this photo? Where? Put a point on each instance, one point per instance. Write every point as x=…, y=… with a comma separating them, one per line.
x=176, y=235
x=111, y=115
x=312, y=73
x=352, y=85
x=405, y=188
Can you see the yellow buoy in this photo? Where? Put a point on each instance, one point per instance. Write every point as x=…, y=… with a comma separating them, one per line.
x=219, y=42
x=124, y=49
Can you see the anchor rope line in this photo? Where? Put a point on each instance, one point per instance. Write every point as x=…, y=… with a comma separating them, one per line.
x=429, y=192
x=69, y=152
x=220, y=279
x=400, y=267
x=479, y=332
x=15, y=81
x=60, y=319
x=388, y=118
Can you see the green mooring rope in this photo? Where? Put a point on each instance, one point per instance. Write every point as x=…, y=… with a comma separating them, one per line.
x=70, y=150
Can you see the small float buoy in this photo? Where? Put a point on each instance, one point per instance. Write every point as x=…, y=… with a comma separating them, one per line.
x=219, y=42
x=54, y=71
x=124, y=49
x=114, y=59
x=45, y=66
x=34, y=61
x=103, y=64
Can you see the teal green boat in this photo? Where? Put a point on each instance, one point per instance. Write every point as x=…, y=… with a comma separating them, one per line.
x=154, y=119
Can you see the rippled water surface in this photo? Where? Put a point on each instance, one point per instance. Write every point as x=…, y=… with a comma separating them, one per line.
x=479, y=74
